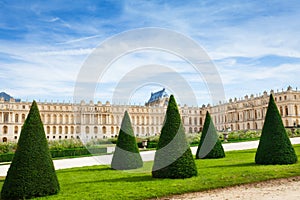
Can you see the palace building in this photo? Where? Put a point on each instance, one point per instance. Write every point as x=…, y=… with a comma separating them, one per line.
x=91, y=120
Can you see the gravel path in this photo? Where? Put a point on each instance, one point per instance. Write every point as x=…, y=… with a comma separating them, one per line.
x=279, y=189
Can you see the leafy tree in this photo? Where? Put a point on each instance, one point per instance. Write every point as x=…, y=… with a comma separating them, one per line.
x=173, y=157
x=31, y=173
x=274, y=145
x=127, y=154
x=209, y=146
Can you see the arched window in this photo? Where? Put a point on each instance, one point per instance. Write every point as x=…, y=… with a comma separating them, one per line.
x=48, y=130
x=54, y=129
x=195, y=121
x=6, y=117
x=190, y=130
x=77, y=129
x=48, y=119
x=190, y=121
x=72, y=119
x=103, y=119
x=281, y=110
x=43, y=118
x=255, y=126
x=286, y=111
x=95, y=129
x=104, y=130
x=60, y=129
x=54, y=119
x=195, y=130
x=5, y=129
x=96, y=119
x=72, y=129
x=67, y=119
x=296, y=110
x=16, y=130
x=87, y=119
x=16, y=118
x=4, y=139
x=87, y=130
x=66, y=130
x=248, y=126
x=112, y=120
x=200, y=121
x=23, y=117
x=112, y=130
x=143, y=120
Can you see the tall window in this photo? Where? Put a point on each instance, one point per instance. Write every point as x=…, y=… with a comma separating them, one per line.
x=16, y=118
x=104, y=130
x=16, y=129
x=66, y=130
x=5, y=129
x=87, y=129
x=6, y=117
x=48, y=130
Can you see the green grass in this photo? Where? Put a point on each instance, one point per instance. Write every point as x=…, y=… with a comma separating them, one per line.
x=100, y=182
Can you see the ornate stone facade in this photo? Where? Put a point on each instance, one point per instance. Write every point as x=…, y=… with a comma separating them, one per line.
x=95, y=121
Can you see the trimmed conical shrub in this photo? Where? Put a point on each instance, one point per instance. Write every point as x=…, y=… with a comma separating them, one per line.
x=274, y=145
x=127, y=154
x=173, y=157
x=31, y=173
x=209, y=146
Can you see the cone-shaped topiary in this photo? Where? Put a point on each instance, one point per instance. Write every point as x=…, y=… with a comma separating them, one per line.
x=31, y=173
x=209, y=146
x=173, y=156
x=127, y=154
x=274, y=145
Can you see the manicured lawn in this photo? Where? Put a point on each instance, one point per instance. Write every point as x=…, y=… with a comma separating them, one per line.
x=100, y=182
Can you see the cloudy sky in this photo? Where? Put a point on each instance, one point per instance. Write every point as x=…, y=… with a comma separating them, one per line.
x=254, y=46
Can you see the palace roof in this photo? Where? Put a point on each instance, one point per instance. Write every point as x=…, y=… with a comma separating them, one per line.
x=158, y=95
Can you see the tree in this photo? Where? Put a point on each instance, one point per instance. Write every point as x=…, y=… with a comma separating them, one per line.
x=127, y=154
x=31, y=173
x=209, y=146
x=274, y=145
x=173, y=156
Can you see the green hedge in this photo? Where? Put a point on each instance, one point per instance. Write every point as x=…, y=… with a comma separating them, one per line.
x=150, y=144
x=62, y=153
x=7, y=157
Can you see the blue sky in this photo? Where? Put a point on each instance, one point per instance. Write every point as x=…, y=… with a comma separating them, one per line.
x=43, y=44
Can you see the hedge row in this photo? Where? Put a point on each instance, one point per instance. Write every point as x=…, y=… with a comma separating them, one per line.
x=150, y=144
x=62, y=153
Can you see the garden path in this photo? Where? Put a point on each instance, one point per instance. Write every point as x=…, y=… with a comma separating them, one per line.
x=146, y=156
